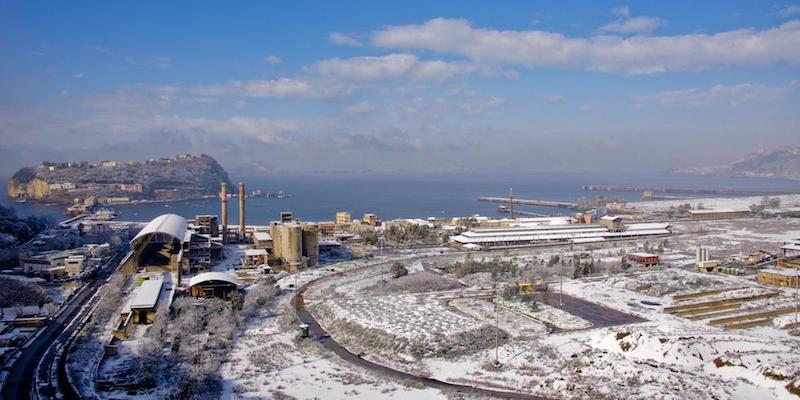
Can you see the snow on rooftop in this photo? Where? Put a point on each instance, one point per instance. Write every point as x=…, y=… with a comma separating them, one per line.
x=147, y=295
x=718, y=210
x=212, y=276
x=255, y=252
x=168, y=224
x=643, y=255
x=781, y=271
x=262, y=236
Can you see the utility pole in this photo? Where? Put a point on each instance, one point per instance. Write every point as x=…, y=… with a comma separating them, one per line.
x=511, y=203
x=496, y=330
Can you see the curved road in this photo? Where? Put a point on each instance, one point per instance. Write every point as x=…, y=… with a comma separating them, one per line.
x=315, y=330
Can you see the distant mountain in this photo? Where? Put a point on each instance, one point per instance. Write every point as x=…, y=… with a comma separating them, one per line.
x=781, y=162
x=180, y=176
x=778, y=162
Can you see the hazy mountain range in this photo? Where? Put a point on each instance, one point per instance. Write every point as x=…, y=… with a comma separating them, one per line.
x=778, y=162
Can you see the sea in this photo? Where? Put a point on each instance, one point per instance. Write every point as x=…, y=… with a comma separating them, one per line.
x=319, y=197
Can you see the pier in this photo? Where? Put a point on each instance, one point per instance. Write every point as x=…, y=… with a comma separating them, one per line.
x=721, y=191
x=529, y=202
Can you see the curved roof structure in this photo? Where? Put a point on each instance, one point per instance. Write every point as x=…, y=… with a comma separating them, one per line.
x=212, y=276
x=171, y=226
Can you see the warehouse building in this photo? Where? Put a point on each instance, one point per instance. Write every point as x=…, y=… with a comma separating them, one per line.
x=643, y=259
x=704, y=215
x=578, y=233
x=789, y=277
x=213, y=284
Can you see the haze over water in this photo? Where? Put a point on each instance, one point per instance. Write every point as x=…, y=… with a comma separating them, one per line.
x=318, y=198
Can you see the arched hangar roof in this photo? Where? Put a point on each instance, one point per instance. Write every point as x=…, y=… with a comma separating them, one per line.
x=170, y=225
x=212, y=276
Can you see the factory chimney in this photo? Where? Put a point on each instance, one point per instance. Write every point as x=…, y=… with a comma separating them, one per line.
x=241, y=208
x=223, y=198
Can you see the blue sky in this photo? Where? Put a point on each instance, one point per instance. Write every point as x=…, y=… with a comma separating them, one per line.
x=408, y=86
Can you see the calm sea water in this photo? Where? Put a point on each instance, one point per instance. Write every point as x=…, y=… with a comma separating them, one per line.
x=318, y=198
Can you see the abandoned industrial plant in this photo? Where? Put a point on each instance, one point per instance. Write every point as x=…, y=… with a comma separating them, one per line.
x=450, y=200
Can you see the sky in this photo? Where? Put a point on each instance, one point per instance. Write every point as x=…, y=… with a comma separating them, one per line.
x=395, y=87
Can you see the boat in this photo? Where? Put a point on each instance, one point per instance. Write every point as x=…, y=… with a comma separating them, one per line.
x=502, y=209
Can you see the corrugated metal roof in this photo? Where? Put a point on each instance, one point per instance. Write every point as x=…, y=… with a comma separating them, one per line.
x=168, y=224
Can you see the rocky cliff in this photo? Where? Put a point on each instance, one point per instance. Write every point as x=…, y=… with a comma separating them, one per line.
x=186, y=175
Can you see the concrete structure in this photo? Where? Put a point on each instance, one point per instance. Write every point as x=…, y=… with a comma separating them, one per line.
x=242, y=196
x=157, y=247
x=254, y=257
x=262, y=240
x=213, y=284
x=779, y=277
x=644, y=259
x=223, y=198
x=702, y=215
x=612, y=222
x=371, y=220
x=207, y=225
x=294, y=245
x=343, y=217
x=73, y=265
x=143, y=305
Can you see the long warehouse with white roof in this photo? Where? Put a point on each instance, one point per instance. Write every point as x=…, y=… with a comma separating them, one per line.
x=578, y=233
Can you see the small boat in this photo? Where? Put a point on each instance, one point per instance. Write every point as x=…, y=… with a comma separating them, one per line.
x=502, y=209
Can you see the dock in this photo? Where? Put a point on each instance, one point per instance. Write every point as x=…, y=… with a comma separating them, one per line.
x=720, y=191
x=529, y=202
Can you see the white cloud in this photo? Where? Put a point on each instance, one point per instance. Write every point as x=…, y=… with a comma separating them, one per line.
x=634, y=55
x=731, y=95
x=277, y=88
x=272, y=60
x=556, y=98
x=790, y=10
x=361, y=107
x=389, y=67
x=495, y=101
x=621, y=11
x=342, y=39
x=632, y=25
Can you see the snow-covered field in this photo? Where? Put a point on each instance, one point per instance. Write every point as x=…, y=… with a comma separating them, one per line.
x=788, y=202
x=267, y=362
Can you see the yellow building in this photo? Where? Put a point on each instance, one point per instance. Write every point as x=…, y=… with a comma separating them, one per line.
x=343, y=217
x=371, y=219
x=779, y=277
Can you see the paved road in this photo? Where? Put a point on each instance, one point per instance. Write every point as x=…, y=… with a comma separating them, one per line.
x=316, y=331
x=20, y=378
x=599, y=316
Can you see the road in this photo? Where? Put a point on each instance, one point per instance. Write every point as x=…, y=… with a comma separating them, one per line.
x=599, y=316
x=324, y=339
x=21, y=375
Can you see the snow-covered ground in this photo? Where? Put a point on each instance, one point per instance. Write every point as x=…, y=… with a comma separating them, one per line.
x=788, y=203
x=268, y=362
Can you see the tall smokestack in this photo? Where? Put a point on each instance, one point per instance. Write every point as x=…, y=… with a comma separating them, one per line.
x=241, y=208
x=223, y=198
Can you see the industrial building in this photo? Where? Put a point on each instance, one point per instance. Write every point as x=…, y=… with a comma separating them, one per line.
x=643, y=259
x=294, y=244
x=704, y=215
x=213, y=284
x=790, y=254
x=611, y=222
x=789, y=277
x=539, y=234
x=142, y=307
x=255, y=257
